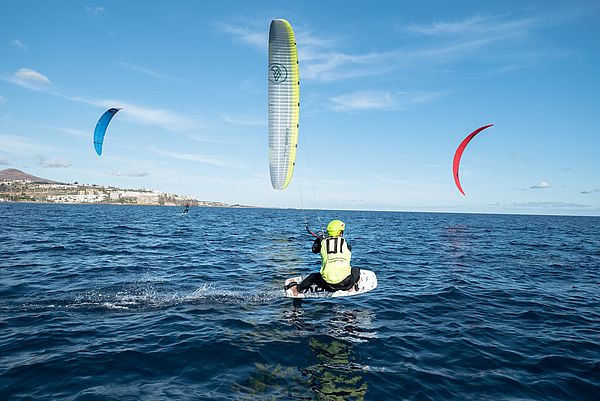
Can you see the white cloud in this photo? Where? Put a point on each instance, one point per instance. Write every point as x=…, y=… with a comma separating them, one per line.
x=4, y=162
x=30, y=79
x=195, y=157
x=591, y=191
x=550, y=204
x=469, y=25
x=317, y=56
x=380, y=100
x=510, y=68
x=253, y=36
x=478, y=25
x=313, y=42
x=203, y=138
x=362, y=100
x=245, y=119
x=2, y=100
x=97, y=10
x=541, y=185
x=19, y=45
x=143, y=115
x=329, y=65
x=21, y=145
x=136, y=113
x=53, y=163
x=420, y=97
x=256, y=34
x=131, y=174
x=143, y=70
x=326, y=63
x=442, y=42
x=148, y=116
x=70, y=131
x=323, y=58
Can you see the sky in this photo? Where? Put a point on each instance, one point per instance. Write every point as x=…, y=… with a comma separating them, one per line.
x=388, y=91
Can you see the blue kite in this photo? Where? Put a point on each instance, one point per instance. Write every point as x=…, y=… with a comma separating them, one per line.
x=101, y=129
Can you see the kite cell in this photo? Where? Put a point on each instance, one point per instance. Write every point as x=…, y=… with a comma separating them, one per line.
x=284, y=102
x=459, y=152
x=100, y=130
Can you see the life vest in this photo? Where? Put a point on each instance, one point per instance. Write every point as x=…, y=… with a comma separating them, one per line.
x=335, y=259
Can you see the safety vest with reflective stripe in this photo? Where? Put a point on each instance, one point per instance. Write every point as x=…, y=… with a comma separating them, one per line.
x=335, y=259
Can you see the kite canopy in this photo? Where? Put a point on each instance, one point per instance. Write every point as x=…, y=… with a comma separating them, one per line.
x=459, y=152
x=284, y=102
x=100, y=129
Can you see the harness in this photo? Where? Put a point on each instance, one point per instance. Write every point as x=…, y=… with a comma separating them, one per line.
x=335, y=259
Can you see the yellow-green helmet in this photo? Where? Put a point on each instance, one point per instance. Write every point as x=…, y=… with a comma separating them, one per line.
x=335, y=228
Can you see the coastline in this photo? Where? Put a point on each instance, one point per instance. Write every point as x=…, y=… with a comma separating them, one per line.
x=199, y=204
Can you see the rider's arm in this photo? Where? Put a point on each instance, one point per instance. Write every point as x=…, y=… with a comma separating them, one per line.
x=316, y=246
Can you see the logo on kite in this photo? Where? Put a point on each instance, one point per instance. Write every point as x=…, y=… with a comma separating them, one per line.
x=459, y=152
x=277, y=73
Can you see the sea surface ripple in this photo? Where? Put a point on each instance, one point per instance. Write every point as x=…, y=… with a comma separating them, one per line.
x=103, y=302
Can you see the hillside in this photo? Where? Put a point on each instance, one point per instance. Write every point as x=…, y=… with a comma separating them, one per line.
x=18, y=186
x=12, y=174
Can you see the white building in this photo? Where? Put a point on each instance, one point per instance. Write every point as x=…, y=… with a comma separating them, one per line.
x=77, y=198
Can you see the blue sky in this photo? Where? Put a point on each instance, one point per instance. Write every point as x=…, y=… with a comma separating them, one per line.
x=388, y=91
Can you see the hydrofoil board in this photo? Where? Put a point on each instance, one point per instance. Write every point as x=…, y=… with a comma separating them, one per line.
x=366, y=282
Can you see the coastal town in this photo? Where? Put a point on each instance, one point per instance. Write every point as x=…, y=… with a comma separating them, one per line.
x=17, y=186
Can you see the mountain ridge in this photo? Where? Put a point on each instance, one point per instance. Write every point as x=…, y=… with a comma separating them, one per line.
x=13, y=174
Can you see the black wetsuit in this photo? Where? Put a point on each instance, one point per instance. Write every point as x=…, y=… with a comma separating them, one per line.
x=316, y=278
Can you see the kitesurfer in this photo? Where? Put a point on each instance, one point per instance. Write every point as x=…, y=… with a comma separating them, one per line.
x=187, y=208
x=336, y=272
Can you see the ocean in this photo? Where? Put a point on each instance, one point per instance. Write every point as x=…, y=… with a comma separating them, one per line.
x=101, y=302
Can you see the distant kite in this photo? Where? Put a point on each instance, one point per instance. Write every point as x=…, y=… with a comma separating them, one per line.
x=101, y=129
x=459, y=152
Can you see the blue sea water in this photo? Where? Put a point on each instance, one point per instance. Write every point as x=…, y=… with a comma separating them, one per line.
x=105, y=302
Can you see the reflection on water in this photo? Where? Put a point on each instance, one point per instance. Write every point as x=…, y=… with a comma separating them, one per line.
x=336, y=375
x=272, y=382
x=325, y=363
x=457, y=237
x=333, y=319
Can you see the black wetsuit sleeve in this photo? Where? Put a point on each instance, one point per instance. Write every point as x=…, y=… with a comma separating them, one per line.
x=349, y=247
x=316, y=246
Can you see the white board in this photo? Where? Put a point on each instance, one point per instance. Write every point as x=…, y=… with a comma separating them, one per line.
x=367, y=282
